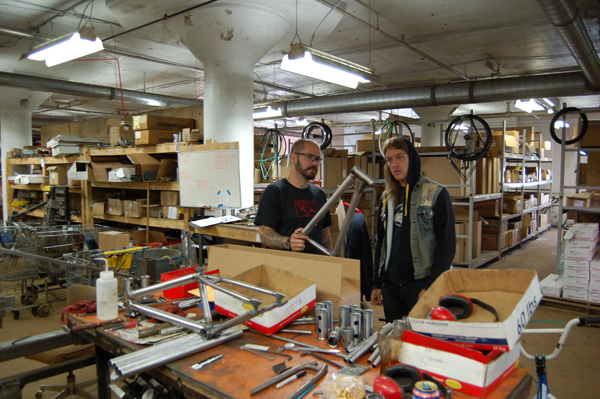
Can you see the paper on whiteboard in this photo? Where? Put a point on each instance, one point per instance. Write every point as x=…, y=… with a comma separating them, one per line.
x=212, y=221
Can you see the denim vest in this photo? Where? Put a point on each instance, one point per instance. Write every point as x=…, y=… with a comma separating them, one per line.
x=422, y=233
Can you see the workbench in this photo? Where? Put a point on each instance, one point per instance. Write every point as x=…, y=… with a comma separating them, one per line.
x=238, y=372
x=231, y=231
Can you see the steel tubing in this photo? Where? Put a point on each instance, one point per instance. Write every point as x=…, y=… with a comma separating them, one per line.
x=366, y=346
x=154, y=288
x=158, y=355
x=169, y=317
x=373, y=356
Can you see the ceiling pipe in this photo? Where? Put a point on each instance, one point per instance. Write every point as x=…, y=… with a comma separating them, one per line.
x=564, y=84
x=35, y=83
x=565, y=17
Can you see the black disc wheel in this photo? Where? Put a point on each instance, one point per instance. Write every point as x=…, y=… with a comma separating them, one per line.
x=468, y=138
x=573, y=121
x=319, y=132
x=393, y=129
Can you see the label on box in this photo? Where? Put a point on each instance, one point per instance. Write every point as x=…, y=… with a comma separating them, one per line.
x=574, y=284
x=595, y=276
x=576, y=275
x=595, y=263
x=584, y=231
x=577, y=265
x=552, y=286
x=580, y=295
x=138, y=135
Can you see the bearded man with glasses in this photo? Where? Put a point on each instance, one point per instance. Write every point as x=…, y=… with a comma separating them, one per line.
x=288, y=205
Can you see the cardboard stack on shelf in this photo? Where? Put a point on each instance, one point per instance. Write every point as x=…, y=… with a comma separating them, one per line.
x=580, y=249
x=154, y=129
x=66, y=144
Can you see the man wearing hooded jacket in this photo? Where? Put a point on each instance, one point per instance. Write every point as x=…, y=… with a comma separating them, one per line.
x=422, y=238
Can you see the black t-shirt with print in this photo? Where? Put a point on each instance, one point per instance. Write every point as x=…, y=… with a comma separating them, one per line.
x=284, y=208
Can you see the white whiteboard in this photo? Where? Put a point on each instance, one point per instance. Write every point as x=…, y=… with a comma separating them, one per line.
x=210, y=179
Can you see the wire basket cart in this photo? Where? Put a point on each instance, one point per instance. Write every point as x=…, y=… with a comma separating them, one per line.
x=125, y=260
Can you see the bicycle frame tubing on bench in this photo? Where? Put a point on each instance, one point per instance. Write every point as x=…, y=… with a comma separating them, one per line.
x=364, y=180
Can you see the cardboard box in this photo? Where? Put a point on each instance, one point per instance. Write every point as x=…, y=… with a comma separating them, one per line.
x=120, y=133
x=98, y=209
x=192, y=135
x=585, y=231
x=594, y=287
x=583, y=275
x=81, y=170
x=465, y=370
x=337, y=279
x=172, y=212
x=169, y=198
x=514, y=294
x=102, y=167
x=155, y=211
x=593, y=297
x=300, y=296
x=145, y=122
x=552, y=286
x=153, y=137
x=512, y=204
x=477, y=230
x=592, y=136
x=366, y=145
x=121, y=175
x=139, y=237
x=579, y=199
x=152, y=169
x=134, y=208
x=580, y=250
x=461, y=243
x=115, y=207
x=58, y=175
x=581, y=265
x=580, y=295
x=488, y=209
x=575, y=284
x=332, y=169
x=441, y=171
x=595, y=276
x=113, y=240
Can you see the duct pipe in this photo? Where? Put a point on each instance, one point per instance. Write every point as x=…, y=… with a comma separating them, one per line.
x=568, y=22
x=81, y=89
x=565, y=84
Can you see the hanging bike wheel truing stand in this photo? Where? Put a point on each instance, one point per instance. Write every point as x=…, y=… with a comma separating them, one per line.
x=269, y=161
x=468, y=138
x=394, y=129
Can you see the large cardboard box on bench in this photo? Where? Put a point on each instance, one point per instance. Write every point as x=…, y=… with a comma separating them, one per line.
x=300, y=296
x=152, y=169
x=337, y=279
x=514, y=294
x=465, y=370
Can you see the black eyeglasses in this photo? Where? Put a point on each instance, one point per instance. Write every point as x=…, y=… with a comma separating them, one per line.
x=310, y=157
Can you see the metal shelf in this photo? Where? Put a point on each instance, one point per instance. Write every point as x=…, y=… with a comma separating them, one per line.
x=581, y=209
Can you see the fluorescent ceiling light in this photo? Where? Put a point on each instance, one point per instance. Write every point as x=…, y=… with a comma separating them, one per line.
x=583, y=152
x=560, y=124
x=269, y=112
x=548, y=101
x=66, y=48
x=302, y=122
x=316, y=64
x=529, y=106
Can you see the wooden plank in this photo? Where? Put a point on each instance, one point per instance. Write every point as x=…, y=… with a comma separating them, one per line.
x=160, y=149
x=138, y=185
x=153, y=222
x=243, y=233
x=29, y=187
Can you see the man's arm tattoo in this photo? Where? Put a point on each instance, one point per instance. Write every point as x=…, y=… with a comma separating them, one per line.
x=271, y=239
x=327, y=239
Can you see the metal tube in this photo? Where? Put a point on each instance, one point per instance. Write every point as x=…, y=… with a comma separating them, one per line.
x=376, y=361
x=329, y=307
x=355, y=323
x=151, y=363
x=322, y=372
x=154, y=288
x=169, y=317
x=273, y=381
x=344, y=316
x=347, y=338
x=334, y=337
x=373, y=356
x=238, y=320
x=367, y=323
x=348, y=218
x=367, y=345
x=205, y=304
x=322, y=323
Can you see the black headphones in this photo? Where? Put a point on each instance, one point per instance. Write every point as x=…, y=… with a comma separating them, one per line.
x=406, y=376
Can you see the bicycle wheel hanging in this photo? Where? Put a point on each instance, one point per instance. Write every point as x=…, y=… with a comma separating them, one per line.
x=565, y=119
x=319, y=132
x=468, y=138
x=273, y=147
x=393, y=129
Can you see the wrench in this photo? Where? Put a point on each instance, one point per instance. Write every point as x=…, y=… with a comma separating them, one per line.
x=257, y=353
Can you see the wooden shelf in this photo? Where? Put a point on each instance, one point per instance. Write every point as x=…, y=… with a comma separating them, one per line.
x=164, y=223
x=47, y=160
x=167, y=148
x=30, y=187
x=138, y=185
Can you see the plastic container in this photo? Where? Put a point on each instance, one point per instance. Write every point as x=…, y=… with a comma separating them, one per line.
x=390, y=344
x=181, y=291
x=107, y=307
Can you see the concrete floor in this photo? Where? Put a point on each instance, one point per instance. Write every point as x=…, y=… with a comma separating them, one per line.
x=570, y=375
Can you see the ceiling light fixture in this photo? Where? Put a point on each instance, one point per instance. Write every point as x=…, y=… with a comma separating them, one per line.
x=560, y=124
x=529, y=105
x=548, y=101
x=268, y=112
x=317, y=64
x=66, y=48
x=583, y=152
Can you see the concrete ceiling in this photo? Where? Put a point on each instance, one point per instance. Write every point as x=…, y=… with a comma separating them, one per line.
x=410, y=43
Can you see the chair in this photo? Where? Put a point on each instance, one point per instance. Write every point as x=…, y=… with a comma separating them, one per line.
x=75, y=293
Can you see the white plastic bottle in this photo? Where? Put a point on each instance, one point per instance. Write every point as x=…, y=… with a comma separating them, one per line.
x=106, y=296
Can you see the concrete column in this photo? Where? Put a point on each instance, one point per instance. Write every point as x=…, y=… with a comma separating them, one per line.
x=229, y=39
x=432, y=118
x=16, y=106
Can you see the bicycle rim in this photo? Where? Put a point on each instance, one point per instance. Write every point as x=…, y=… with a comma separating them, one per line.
x=468, y=138
x=394, y=129
x=318, y=132
x=562, y=116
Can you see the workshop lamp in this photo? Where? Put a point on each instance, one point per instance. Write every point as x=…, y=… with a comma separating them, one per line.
x=316, y=64
x=529, y=106
x=67, y=47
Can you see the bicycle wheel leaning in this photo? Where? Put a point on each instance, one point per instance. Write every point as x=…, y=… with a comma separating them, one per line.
x=393, y=129
x=468, y=138
x=561, y=121
x=319, y=132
